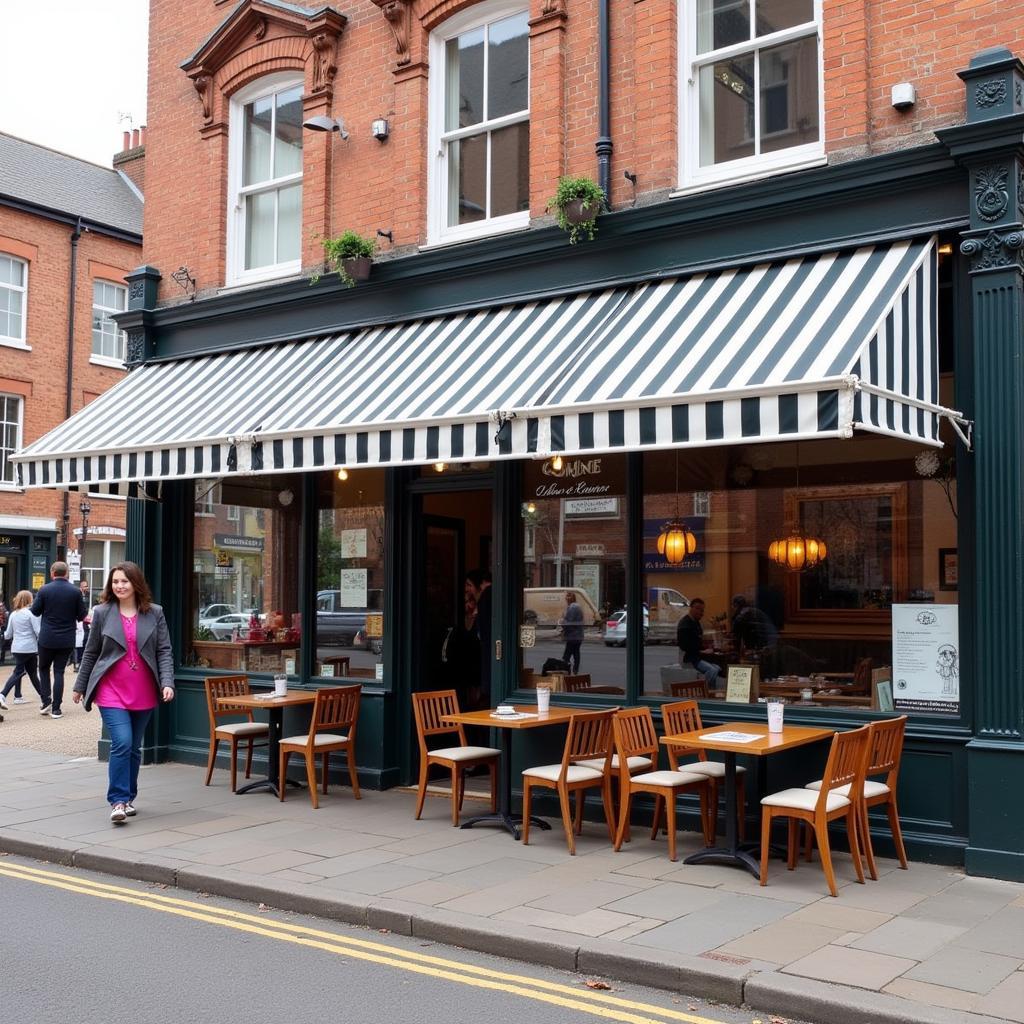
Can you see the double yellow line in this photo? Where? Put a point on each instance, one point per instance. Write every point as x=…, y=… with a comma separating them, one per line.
x=597, y=1003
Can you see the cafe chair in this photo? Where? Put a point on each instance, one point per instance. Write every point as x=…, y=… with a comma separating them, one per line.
x=886, y=749
x=575, y=684
x=332, y=728
x=249, y=730
x=636, y=737
x=691, y=689
x=589, y=739
x=838, y=797
x=684, y=716
x=429, y=710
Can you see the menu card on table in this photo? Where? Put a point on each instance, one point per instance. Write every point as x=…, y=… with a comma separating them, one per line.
x=742, y=684
x=733, y=737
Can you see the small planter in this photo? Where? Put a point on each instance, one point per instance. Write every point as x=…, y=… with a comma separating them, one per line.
x=577, y=204
x=577, y=211
x=357, y=268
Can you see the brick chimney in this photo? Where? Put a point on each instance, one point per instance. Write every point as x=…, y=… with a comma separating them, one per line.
x=132, y=158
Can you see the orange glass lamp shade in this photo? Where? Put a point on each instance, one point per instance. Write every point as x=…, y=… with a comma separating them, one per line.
x=797, y=552
x=675, y=542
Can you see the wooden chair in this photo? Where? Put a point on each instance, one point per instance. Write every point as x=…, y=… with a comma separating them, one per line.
x=333, y=727
x=847, y=763
x=429, y=710
x=635, y=736
x=886, y=749
x=685, y=717
x=693, y=689
x=248, y=729
x=589, y=738
x=574, y=684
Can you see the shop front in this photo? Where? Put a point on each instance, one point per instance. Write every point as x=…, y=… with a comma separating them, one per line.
x=797, y=424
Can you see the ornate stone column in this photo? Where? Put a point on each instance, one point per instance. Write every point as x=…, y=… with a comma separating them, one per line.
x=991, y=146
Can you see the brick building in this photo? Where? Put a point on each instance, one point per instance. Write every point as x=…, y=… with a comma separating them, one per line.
x=798, y=328
x=69, y=232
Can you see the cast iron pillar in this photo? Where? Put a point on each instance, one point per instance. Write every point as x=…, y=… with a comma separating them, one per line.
x=991, y=146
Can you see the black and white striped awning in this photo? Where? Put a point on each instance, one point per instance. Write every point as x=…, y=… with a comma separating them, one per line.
x=802, y=348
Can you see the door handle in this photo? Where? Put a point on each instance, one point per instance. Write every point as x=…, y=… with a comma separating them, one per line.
x=497, y=650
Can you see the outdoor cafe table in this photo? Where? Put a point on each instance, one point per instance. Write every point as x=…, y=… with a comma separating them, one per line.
x=554, y=716
x=724, y=738
x=275, y=706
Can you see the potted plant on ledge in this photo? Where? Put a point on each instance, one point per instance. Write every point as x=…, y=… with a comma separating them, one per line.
x=351, y=255
x=577, y=202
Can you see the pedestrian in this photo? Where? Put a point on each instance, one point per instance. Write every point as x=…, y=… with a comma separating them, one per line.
x=572, y=632
x=127, y=669
x=83, y=586
x=3, y=632
x=59, y=606
x=23, y=632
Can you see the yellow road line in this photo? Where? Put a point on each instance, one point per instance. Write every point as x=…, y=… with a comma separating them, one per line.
x=374, y=952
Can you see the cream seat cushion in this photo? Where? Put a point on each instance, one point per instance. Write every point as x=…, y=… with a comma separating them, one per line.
x=668, y=779
x=870, y=788
x=553, y=772
x=709, y=769
x=464, y=753
x=323, y=739
x=635, y=763
x=244, y=729
x=804, y=800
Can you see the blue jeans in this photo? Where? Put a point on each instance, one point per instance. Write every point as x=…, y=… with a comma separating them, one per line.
x=709, y=672
x=126, y=729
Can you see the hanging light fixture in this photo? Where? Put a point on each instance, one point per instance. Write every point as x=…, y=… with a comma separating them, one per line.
x=557, y=463
x=676, y=542
x=343, y=473
x=798, y=550
x=440, y=467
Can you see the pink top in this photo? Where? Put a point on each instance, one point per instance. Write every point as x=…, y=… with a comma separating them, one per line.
x=130, y=683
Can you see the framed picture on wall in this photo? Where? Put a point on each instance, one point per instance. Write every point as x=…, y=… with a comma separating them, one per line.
x=949, y=569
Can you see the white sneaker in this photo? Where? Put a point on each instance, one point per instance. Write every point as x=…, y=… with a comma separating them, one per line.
x=129, y=809
x=20, y=700
x=117, y=814
x=3, y=702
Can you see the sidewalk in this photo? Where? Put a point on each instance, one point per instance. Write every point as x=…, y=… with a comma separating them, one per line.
x=928, y=944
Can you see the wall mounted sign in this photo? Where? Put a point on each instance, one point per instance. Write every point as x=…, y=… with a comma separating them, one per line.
x=926, y=657
x=236, y=543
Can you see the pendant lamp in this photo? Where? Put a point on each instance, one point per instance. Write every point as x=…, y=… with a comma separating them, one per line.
x=676, y=542
x=797, y=551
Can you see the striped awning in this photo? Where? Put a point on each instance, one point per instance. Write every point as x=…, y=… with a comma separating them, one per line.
x=800, y=348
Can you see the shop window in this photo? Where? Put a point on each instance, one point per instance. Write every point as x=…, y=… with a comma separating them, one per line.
x=10, y=436
x=13, y=289
x=752, y=75
x=98, y=558
x=108, y=340
x=480, y=123
x=265, y=175
x=351, y=575
x=573, y=628
x=245, y=600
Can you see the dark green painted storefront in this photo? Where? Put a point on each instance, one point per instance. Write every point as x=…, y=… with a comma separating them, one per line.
x=960, y=774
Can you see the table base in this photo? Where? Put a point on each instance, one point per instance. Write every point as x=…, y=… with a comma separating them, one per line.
x=511, y=823
x=746, y=855
x=268, y=784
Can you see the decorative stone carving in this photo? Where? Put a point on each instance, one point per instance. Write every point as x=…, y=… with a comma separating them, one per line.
x=553, y=7
x=990, y=93
x=203, y=84
x=991, y=191
x=398, y=14
x=135, y=347
x=261, y=29
x=995, y=250
x=325, y=65
x=1018, y=93
x=1020, y=192
x=136, y=290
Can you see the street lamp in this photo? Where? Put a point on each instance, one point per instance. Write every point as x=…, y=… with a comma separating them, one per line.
x=85, y=508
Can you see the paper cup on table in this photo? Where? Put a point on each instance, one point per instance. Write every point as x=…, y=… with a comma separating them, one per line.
x=543, y=700
x=280, y=685
x=775, y=713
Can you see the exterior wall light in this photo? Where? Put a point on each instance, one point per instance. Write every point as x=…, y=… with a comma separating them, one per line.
x=380, y=129
x=322, y=123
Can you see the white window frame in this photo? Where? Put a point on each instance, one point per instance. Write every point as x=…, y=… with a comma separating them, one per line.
x=438, y=230
x=5, y=455
x=10, y=340
x=100, y=358
x=236, y=272
x=701, y=504
x=693, y=176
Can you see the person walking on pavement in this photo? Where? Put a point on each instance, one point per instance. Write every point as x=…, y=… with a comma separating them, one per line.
x=4, y=616
x=83, y=586
x=23, y=632
x=572, y=632
x=60, y=606
x=127, y=669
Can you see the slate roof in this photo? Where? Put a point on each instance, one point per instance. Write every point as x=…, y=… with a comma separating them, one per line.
x=67, y=185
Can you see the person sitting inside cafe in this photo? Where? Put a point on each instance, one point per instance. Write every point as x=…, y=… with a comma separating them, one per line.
x=752, y=630
x=690, y=640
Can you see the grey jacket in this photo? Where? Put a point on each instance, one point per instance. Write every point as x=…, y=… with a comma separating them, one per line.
x=106, y=646
x=23, y=629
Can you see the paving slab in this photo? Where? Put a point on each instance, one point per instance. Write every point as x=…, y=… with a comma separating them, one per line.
x=908, y=937
x=666, y=900
x=1002, y=933
x=965, y=969
x=1006, y=999
x=932, y=995
x=781, y=942
x=847, y=966
x=838, y=914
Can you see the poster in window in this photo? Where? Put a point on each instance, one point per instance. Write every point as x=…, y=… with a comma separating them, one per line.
x=926, y=657
x=949, y=569
x=353, y=543
x=353, y=588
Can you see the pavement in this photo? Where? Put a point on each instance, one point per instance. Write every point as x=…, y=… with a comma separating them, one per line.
x=75, y=735
x=928, y=944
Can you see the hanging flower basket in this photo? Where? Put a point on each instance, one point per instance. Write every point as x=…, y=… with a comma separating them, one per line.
x=357, y=267
x=578, y=211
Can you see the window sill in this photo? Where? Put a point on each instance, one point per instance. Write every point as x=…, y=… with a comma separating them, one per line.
x=114, y=364
x=445, y=243
x=15, y=343
x=292, y=272
x=751, y=174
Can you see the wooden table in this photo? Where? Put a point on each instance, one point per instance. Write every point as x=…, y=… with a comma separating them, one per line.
x=276, y=706
x=747, y=855
x=555, y=716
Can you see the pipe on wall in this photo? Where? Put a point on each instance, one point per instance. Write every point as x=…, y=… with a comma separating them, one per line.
x=604, y=145
x=76, y=234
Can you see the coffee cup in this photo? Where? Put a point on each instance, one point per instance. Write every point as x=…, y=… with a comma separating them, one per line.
x=280, y=685
x=775, y=714
x=543, y=700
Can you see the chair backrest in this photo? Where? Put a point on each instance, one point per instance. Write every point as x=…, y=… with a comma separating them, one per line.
x=429, y=708
x=337, y=709
x=219, y=687
x=861, y=677
x=589, y=738
x=635, y=736
x=683, y=716
x=692, y=689
x=573, y=684
x=847, y=762
x=887, y=749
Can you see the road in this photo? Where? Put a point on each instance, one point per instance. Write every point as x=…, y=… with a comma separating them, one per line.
x=78, y=946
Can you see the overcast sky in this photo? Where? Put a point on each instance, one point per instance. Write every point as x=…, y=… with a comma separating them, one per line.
x=73, y=73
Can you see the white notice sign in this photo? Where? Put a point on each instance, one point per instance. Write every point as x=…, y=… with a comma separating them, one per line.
x=353, y=588
x=353, y=543
x=926, y=657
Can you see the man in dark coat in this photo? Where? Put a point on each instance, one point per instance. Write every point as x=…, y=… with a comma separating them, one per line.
x=59, y=605
x=690, y=640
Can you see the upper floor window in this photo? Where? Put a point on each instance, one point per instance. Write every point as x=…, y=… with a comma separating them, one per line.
x=13, y=285
x=751, y=86
x=480, y=123
x=10, y=436
x=108, y=340
x=265, y=172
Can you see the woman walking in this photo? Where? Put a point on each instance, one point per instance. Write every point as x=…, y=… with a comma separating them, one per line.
x=23, y=632
x=126, y=670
